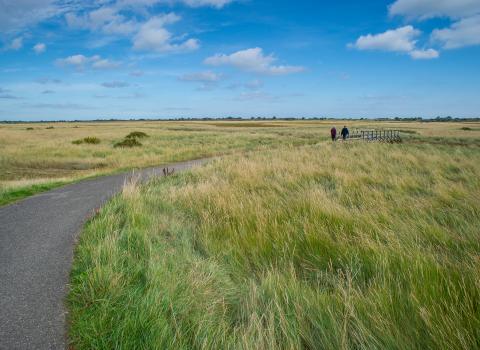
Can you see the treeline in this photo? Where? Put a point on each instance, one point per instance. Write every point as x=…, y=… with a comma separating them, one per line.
x=399, y=119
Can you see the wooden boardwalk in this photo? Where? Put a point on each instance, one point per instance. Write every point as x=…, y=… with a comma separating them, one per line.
x=376, y=135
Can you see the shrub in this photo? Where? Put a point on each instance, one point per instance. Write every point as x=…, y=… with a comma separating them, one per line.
x=90, y=140
x=30, y=128
x=128, y=143
x=136, y=134
x=466, y=128
x=50, y=127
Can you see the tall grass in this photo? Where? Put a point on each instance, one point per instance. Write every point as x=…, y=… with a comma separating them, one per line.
x=333, y=246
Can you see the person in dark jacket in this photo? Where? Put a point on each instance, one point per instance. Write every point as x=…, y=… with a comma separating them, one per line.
x=333, y=133
x=345, y=133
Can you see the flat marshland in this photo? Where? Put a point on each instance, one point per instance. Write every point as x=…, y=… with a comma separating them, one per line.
x=298, y=243
x=38, y=156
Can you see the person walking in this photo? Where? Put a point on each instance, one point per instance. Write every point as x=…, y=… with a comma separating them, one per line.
x=333, y=133
x=345, y=133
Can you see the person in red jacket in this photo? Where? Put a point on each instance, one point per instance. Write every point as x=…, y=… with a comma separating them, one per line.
x=333, y=133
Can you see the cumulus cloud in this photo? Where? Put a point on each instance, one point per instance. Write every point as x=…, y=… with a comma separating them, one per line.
x=465, y=29
x=403, y=39
x=424, y=54
x=424, y=9
x=397, y=40
x=465, y=32
x=39, y=48
x=253, y=60
x=81, y=62
x=106, y=19
x=153, y=36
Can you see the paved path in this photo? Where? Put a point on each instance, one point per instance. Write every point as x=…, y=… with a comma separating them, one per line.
x=37, y=236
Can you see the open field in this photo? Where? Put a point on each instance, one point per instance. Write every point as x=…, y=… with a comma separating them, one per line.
x=35, y=157
x=320, y=246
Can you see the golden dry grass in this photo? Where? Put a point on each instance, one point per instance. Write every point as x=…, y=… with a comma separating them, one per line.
x=37, y=159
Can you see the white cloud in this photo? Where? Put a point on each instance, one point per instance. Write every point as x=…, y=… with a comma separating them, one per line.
x=16, y=44
x=75, y=60
x=153, y=36
x=191, y=3
x=106, y=19
x=18, y=14
x=465, y=32
x=105, y=63
x=403, y=40
x=397, y=40
x=213, y=3
x=252, y=60
x=39, y=48
x=424, y=9
x=81, y=62
x=203, y=77
x=424, y=54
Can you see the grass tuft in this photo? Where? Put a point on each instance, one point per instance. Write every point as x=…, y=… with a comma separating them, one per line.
x=136, y=134
x=128, y=143
x=89, y=140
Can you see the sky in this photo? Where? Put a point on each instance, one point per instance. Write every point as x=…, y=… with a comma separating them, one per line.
x=85, y=59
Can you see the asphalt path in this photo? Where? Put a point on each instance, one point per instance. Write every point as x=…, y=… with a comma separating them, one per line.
x=37, y=238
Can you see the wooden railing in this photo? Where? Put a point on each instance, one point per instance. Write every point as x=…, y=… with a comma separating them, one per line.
x=376, y=135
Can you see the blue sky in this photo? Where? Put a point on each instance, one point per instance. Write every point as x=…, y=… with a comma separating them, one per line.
x=72, y=59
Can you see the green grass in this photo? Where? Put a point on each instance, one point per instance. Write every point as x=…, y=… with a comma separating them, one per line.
x=332, y=246
x=8, y=196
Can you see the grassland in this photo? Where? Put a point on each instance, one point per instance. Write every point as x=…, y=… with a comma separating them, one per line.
x=36, y=157
x=320, y=246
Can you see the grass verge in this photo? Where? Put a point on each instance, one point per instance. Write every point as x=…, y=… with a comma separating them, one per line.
x=8, y=196
x=334, y=246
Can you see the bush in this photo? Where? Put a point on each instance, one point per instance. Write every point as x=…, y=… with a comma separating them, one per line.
x=90, y=140
x=50, y=127
x=466, y=128
x=136, y=134
x=128, y=143
x=30, y=128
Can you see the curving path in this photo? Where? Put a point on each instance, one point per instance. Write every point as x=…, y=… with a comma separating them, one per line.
x=37, y=236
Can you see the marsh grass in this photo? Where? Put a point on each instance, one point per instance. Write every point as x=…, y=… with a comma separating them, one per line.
x=332, y=246
x=44, y=156
x=136, y=134
x=88, y=140
x=128, y=143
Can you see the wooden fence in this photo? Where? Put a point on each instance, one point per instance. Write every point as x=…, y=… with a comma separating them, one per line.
x=376, y=135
